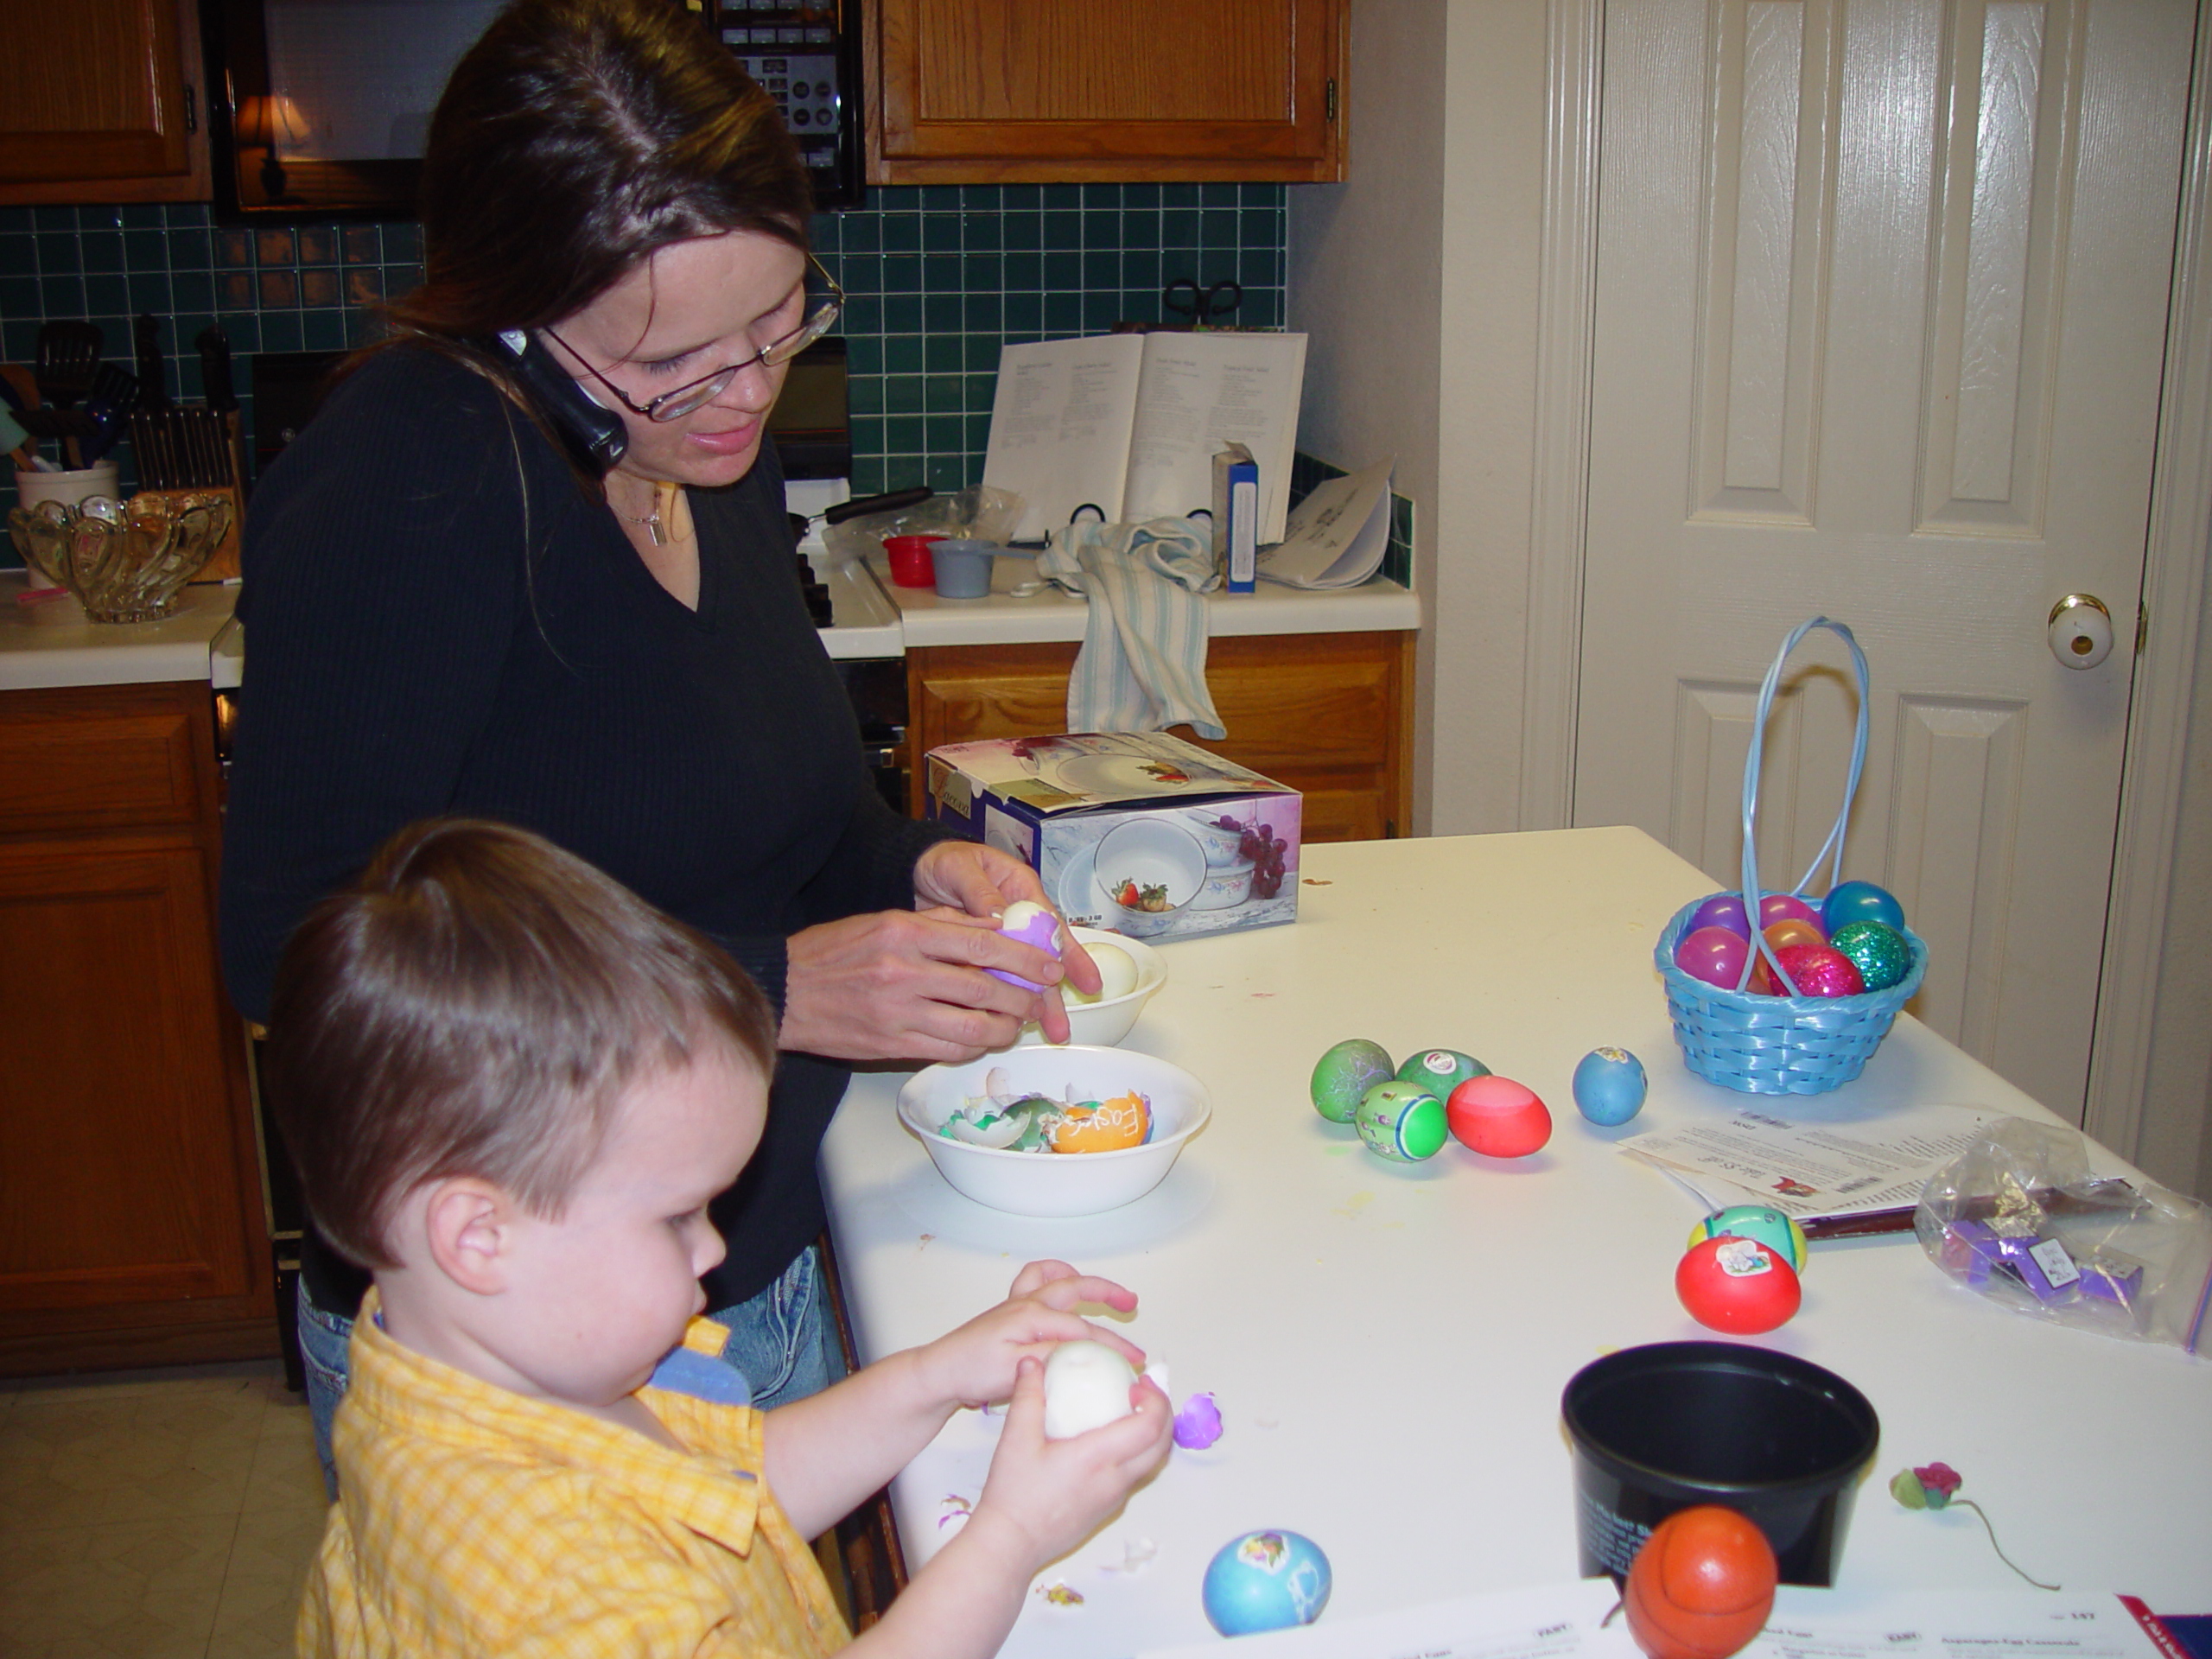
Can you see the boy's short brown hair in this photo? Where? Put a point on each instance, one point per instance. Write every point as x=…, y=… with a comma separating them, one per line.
x=476, y=1004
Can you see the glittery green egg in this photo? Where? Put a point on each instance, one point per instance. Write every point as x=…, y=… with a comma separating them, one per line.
x=1878, y=951
x=1346, y=1072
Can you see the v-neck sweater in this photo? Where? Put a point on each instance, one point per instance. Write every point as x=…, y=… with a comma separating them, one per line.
x=440, y=620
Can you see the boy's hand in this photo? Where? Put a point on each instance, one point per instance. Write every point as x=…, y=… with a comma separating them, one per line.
x=977, y=1363
x=1043, y=1498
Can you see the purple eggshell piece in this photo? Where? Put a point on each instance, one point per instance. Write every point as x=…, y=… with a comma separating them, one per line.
x=1722, y=910
x=1714, y=956
x=1042, y=930
x=1197, y=1425
x=1777, y=906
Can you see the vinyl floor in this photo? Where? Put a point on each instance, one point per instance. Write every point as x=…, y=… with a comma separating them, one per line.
x=157, y=1514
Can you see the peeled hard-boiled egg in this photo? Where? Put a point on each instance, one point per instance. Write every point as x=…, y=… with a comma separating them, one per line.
x=1117, y=973
x=1086, y=1386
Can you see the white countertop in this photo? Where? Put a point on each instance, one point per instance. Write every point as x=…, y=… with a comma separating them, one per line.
x=1387, y=1343
x=36, y=653
x=1055, y=614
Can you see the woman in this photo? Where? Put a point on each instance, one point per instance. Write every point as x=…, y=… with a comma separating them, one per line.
x=446, y=615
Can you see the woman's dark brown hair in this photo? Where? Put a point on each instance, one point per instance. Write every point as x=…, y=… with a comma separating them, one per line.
x=478, y=1003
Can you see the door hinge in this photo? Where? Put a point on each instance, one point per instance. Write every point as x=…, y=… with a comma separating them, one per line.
x=191, y=110
x=2142, y=626
x=1331, y=101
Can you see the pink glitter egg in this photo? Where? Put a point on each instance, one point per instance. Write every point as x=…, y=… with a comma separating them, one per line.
x=1713, y=955
x=1777, y=906
x=1722, y=910
x=1821, y=970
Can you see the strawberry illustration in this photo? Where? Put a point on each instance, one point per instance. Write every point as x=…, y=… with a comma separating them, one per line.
x=1127, y=894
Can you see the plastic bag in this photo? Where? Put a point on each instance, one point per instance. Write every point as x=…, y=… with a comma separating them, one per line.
x=979, y=512
x=2018, y=1218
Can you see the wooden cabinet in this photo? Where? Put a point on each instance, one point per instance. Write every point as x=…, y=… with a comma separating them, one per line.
x=131, y=1228
x=1329, y=714
x=1025, y=91
x=103, y=100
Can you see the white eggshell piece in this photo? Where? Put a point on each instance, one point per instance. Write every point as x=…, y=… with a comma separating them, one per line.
x=1086, y=1386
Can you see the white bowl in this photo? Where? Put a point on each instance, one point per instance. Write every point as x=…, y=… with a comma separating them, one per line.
x=1151, y=852
x=1227, y=887
x=1105, y=1022
x=1057, y=1183
x=1223, y=846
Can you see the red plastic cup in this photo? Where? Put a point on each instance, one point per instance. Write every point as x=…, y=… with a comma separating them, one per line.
x=911, y=565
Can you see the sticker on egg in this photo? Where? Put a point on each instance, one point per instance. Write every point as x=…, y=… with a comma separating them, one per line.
x=1440, y=1071
x=1031, y=924
x=1345, y=1072
x=1086, y=1386
x=1402, y=1122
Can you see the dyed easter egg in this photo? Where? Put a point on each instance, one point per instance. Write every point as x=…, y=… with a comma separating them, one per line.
x=1792, y=931
x=1033, y=924
x=1777, y=906
x=1117, y=975
x=1400, y=1121
x=1265, y=1581
x=1344, y=1073
x=1105, y=1126
x=1722, y=910
x=1609, y=1085
x=1860, y=901
x=1440, y=1071
x=1712, y=955
x=1701, y=1585
x=1497, y=1117
x=1771, y=1227
x=1819, y=971
x=1878, y=951
x=1737, y=1284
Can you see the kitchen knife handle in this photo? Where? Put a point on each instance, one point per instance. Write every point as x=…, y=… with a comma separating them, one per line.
x=890, y=503
x=215, y=369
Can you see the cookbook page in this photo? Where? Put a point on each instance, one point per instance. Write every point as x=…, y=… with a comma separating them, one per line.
x=1199, y=393
x=1060, y=428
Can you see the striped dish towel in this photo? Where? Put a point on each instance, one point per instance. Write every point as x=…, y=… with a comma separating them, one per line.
x=1143, y=663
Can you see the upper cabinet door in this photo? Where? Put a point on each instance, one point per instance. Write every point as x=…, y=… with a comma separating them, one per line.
x=102, y=100
x=1074, y=90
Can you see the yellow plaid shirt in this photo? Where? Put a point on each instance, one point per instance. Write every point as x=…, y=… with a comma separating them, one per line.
x=472, y=1521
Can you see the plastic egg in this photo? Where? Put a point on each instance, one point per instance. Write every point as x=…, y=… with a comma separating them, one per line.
x=1777, y=906
x=1819, y=971
x=1701, y=1585
x=1713, y=955
x=1778, y=1232
x=1117, y=974
x=1792, y=930
x=1610, y=1086
x=1033, y=924
x=1737, y=1284
x=1402, y=1122
x=1497, y=1117
x=1722, y=910
x=1440, y=1071
x=1344, y=1073
x=1265, y=1581
x=1860, y=901
x=1105, y=1126
x=1881, y=954
x=1086, y=1386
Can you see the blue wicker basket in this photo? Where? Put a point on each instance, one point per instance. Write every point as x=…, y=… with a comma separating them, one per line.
x=1783, y=1045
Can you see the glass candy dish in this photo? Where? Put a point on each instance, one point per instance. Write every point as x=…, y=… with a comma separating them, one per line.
x=125, y=562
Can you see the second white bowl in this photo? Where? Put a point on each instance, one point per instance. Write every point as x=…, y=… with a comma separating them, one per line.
x=1105, y=1022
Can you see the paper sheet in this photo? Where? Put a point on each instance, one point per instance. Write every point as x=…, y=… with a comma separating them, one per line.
x=1337, y=536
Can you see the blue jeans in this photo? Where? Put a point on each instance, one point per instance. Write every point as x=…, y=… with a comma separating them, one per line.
x=782, y=1341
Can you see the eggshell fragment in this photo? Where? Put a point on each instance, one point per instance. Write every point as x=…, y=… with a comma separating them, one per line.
x=1031, y=924
x=1086, y=1386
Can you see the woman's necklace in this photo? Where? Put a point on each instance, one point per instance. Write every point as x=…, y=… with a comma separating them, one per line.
x=656, y=521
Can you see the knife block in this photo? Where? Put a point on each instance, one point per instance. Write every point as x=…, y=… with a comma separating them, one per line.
x=224, y=567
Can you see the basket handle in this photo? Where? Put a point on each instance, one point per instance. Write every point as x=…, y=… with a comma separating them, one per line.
x=1832, y=848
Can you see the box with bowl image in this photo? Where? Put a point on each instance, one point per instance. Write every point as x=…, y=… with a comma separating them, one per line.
x=1138, y=832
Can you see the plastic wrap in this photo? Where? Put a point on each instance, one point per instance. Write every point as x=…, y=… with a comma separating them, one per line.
x=2019, y=1218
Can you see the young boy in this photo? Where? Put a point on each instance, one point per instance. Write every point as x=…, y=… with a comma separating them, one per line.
x=511, y=1087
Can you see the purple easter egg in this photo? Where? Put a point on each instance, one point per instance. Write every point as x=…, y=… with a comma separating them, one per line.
x=1032, y=925
x=1713, y=955
x=1722, y=910
x=1777, y=906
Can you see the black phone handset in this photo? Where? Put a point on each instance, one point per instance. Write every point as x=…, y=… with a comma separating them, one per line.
x=595, y=435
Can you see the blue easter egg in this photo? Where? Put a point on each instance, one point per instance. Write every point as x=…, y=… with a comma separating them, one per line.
x=1770, y=1227
x=1859, y=901
x=1265, y=1581
x=1609, y=1086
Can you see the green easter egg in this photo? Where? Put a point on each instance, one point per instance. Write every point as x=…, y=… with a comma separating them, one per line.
x=1778, y=1232
x=1880, y=952
x=1440, y=1071
x=1402, y=1122
x=1346, y=1072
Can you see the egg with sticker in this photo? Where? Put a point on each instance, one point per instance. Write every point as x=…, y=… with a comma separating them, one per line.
x=1440, y=1071
x=1778, y=1232
x=1610, y=1086
x=1402, y=1122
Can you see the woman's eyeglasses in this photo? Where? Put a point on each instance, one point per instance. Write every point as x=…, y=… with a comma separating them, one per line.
x=697, y=394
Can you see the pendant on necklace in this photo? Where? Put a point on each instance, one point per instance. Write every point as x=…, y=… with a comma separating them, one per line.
x=653, y=528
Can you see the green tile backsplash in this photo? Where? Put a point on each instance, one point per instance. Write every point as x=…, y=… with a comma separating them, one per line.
x=939, y=277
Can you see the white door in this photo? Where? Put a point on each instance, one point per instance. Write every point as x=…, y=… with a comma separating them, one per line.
x=1880, y=308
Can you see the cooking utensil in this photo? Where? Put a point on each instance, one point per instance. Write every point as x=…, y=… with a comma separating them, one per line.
x=153, y=367
x=890, y=503
x=1201, y=305
x=68, y=356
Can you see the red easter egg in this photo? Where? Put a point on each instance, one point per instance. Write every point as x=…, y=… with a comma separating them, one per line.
x=1777, y=906
x=1714, y=955
x=1498, y=1117
x=1737, y=1284
x=1701, y=1585
x=1821, y=970
x=1792, y=930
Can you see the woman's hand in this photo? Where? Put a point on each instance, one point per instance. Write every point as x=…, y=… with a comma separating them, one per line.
x=980, y=880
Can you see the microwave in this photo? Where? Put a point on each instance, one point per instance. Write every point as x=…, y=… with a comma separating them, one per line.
x=318, y=108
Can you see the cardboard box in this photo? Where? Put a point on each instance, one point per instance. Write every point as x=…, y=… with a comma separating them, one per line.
x=1106, y=817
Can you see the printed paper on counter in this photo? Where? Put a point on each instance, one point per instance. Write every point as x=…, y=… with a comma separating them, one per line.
x=1337, y=536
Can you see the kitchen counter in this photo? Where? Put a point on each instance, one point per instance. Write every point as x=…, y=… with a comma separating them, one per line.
x=1387, y=1343
x=38, y=654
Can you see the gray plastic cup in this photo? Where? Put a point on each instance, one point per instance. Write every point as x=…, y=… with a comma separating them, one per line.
x=964, y=568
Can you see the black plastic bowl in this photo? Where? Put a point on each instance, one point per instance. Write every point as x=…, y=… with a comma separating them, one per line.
x=1673, y=1425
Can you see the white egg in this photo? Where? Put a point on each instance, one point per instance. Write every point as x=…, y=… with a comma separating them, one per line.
x=1116, y=970
x=1086, y=1385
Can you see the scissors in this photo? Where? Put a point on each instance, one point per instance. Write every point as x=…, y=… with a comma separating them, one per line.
x=1201, y=305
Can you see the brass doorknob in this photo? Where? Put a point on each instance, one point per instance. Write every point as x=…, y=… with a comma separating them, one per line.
x=2080, y=631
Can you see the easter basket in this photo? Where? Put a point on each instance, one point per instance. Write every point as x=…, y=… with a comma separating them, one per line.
x=1792, y=1044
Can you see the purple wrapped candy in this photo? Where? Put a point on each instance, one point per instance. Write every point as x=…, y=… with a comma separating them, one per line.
x=1032, y=925
x=1197, y=1425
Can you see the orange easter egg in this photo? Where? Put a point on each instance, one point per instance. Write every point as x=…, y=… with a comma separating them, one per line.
x=1108, y=1125
x=1701, y=1585
x=1793, y=930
